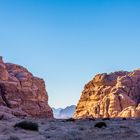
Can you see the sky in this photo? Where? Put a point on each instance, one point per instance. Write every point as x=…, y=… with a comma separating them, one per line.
x=68, y=42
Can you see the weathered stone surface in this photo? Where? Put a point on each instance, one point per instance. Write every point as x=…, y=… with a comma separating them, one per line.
x=21, y=91
x=111, y=95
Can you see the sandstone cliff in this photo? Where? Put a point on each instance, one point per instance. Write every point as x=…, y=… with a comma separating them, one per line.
x=111, y=95
x=22, y=94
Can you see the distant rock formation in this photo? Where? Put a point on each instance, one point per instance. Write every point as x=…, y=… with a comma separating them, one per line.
x=56, y=112
x=65, y=113
x=111, y=95
x=22, y=94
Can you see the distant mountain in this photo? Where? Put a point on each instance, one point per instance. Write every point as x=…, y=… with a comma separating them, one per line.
x=64, y=113
x=56, y=112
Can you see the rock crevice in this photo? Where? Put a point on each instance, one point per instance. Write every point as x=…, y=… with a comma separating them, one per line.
x=2, y=94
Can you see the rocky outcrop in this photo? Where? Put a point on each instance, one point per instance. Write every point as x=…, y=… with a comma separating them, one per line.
x=111, y=95
x=21, y=93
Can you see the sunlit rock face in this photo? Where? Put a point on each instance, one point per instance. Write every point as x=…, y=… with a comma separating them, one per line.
x=22, y=93
x=111, y=95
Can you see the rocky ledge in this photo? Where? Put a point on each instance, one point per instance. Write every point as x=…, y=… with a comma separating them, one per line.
x=111, y=95
x=22, y=94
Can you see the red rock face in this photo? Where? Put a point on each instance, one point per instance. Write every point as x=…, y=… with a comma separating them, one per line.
x=21, y=91
x=111, y=95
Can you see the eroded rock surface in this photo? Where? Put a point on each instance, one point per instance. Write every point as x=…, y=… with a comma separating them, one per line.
x=111, y=95
x=21, y=93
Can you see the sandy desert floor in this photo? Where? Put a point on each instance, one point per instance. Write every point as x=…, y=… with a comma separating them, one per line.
x=71, y=130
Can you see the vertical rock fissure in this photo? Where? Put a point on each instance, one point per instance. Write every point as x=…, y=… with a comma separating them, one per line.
x=2, y=94
x=97, y=110
x=107, y=105
x=119, y=98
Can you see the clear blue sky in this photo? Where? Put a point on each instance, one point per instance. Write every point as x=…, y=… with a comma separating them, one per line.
x=67, y=42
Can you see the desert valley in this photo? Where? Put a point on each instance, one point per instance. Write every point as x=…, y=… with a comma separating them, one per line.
x=69, y=70
x=108, y=108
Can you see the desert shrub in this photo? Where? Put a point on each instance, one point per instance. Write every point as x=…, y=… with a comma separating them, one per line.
x=81, y=128
x=91, y=119
x=100, y=124
x=123, y=126
x=27, y=125
x=105, y=119
x=70, y=120
x=13, y=138
x=124, y=119
x=48, y=137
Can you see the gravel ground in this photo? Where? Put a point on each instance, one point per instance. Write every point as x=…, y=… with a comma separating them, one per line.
x=117, y=129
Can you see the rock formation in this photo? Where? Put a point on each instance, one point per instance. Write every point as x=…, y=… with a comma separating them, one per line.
x=22, y=94
x=111, y=95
